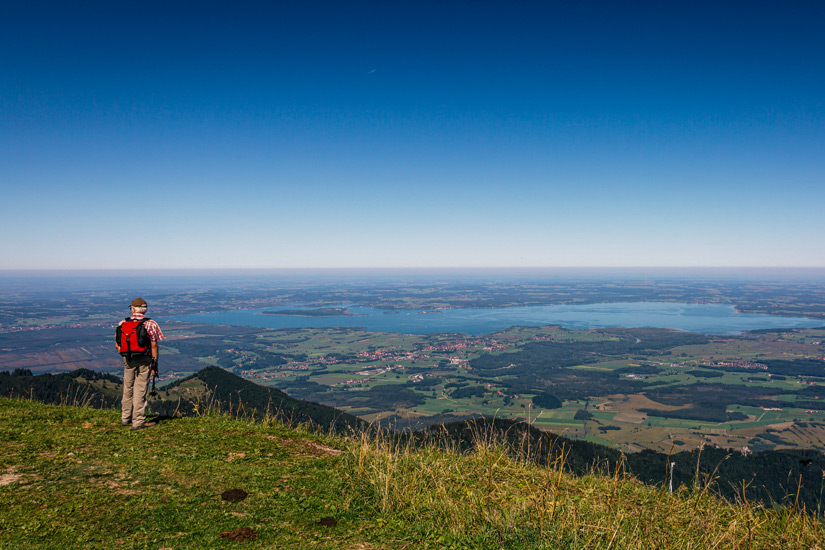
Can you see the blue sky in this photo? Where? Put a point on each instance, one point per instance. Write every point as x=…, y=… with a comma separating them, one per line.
x=411, y=134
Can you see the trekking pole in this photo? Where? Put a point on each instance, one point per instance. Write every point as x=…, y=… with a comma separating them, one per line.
x=154, y=393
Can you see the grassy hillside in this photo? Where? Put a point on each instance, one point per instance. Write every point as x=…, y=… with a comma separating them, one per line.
x=211, y=388
x=72, y=478
x=215, y=387
x=788, y=477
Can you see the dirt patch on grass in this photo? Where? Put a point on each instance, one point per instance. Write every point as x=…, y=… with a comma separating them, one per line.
x=306, y=447
x=322, y=449
x=9, y=478
x=118, y=484
x=118, y=488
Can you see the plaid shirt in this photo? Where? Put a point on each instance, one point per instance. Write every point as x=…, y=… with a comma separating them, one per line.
x=152, y=328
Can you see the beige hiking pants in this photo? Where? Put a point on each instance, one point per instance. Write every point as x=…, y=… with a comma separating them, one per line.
x=135, y=383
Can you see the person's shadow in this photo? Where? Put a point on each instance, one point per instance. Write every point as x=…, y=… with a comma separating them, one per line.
x=158, y=418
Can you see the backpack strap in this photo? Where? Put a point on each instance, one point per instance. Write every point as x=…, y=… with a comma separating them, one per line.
x=140, y=321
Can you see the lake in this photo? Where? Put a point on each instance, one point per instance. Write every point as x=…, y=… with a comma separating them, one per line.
x=701, y=318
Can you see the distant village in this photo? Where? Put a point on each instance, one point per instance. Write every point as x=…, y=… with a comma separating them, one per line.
x=391, y=355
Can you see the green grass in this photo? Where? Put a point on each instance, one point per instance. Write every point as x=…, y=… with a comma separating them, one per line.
x=86, y=483
x=72, y=478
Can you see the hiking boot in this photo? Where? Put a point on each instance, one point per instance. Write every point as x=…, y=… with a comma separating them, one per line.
x=124, y=424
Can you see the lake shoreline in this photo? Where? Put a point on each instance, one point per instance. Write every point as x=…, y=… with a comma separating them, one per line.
x=719, y=319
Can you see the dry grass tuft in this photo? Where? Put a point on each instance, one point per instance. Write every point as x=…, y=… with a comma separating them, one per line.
x=487, y=491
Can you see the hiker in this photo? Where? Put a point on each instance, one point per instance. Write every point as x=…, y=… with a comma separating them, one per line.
x=136, y=339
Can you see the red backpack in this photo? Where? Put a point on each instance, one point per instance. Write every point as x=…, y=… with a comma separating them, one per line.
x=132, y=338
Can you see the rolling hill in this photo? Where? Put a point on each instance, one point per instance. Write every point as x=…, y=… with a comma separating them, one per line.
x=211, y=389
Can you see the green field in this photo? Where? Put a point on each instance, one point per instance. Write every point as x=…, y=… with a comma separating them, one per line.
x=434, y=368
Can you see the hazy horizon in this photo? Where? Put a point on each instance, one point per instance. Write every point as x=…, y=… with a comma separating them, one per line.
x=160, y=278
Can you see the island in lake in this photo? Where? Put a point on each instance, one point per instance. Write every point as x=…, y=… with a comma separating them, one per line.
x=320, y=312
